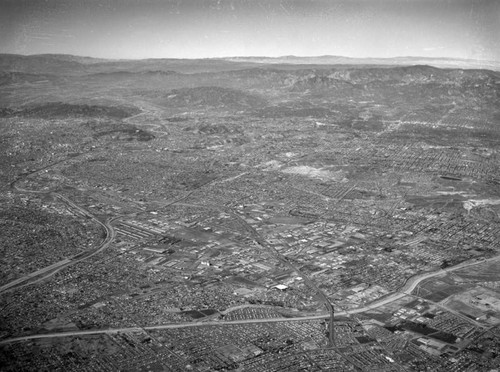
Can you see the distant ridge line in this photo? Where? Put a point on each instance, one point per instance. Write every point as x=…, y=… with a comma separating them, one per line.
x=71, y=63
x=289, y=59
x=442, y=62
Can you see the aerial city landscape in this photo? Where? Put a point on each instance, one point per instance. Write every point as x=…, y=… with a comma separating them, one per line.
x=250, y=185
x=248, y=214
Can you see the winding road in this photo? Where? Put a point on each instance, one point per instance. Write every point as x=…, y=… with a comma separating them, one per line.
x=48, y=271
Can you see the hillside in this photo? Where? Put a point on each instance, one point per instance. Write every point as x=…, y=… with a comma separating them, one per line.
x=59, y=110
x=212, y=96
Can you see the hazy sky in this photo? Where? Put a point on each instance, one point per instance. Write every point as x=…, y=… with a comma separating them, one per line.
x=216, y=28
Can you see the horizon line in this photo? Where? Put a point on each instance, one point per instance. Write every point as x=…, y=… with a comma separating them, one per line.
x=253, y=57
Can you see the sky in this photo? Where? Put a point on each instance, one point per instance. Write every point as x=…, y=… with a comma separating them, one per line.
x=225, y=28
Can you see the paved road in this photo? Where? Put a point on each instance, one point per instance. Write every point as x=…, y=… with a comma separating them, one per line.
x=42, y=274
x=262, y=243
x=414, y=281
x=410, y=285
x=48, y=271
x=310, y=284
x=37, y=273
x=159, y=327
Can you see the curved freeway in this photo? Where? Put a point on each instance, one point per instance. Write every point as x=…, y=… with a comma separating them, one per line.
x=48, y=271
x=412, y=283
x=44, y=273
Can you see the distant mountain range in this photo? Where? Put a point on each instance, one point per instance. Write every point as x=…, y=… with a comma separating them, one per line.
x=399, y=61
x=69, y=64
